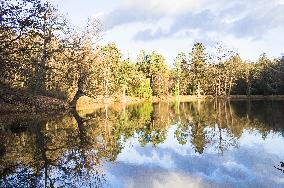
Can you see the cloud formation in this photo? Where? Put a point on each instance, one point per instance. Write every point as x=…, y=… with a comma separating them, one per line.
x=241, y=19
x=250, y=165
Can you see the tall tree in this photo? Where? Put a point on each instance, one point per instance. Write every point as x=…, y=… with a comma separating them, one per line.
x=231, y=71
x=84, y=60
x=18, y=19
x=222, y=63
x=154, y=68
x=52, y=26
x=124, y=75
x=109, y=58
x=159, y=74
x=180, y=74
x=197, y=67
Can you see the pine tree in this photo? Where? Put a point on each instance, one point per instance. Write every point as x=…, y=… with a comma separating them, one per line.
x=197, y=67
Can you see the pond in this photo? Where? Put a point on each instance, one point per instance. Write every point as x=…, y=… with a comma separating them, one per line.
x=186, y=144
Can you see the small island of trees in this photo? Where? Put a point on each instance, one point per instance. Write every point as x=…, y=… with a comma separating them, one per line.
x=43, y=58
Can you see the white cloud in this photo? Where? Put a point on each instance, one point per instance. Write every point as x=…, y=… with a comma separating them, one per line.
x=170, y=26
x=174, y=179
x=169, y=7
x=134, y=157
x=241, y=18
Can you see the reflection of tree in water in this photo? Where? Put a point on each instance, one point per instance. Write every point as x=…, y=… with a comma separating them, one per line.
x=220, y=123
x=193, y=127
x=154, y=129
x=50, y=154
x=71, y=150
x=202, y=126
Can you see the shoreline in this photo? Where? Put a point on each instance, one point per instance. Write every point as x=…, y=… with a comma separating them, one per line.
x=86, y=103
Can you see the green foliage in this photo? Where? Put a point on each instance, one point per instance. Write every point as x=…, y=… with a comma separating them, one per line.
x=153, y=66
x=197, y=68
x=175, y=90
x=42, y=54
x=180, y=74
x=143, y=90
x=144, y=111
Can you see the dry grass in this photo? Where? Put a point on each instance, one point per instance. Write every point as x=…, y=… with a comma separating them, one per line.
x=89, y=104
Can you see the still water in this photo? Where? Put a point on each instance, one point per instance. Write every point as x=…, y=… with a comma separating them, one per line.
x=192, y=144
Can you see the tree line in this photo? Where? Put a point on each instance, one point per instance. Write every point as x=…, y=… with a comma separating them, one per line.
x=42, y=53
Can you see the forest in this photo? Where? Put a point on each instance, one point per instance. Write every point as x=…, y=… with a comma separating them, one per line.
x=42, y=54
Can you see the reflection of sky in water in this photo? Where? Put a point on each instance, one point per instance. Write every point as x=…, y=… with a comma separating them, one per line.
x=251, y=164
x=222, y=152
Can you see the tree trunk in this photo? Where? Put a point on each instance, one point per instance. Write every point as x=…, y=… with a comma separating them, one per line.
x=40, y=77
x=198, y=90
x=178, y=86
x=219, y=87
x=82, y=130
x=248, y=87
x=216, y=90
x=225, y=88
x=106, y=88
x=230, y=86
x=124, y=94
x=76, y=97
x=80, y=92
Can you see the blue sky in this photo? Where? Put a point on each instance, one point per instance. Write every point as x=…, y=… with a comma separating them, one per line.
x=248, y=26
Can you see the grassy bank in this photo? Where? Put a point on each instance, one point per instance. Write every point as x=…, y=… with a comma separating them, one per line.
x=21, y=100
x=258, y=97
x=34, y=104
x=86, y=103
x=184, y=98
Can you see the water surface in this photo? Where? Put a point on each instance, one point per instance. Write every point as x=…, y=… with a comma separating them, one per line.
x=192, y=144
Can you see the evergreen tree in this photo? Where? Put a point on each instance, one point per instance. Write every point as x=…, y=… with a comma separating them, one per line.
x=198, y=68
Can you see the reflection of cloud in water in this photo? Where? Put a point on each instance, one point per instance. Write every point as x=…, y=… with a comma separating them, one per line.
x=128, y=175
x=251, y=165
x=271, y=143
x=167, y=180
x=151, y=158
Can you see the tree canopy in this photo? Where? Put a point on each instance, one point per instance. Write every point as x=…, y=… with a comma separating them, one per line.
x=41, y=53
